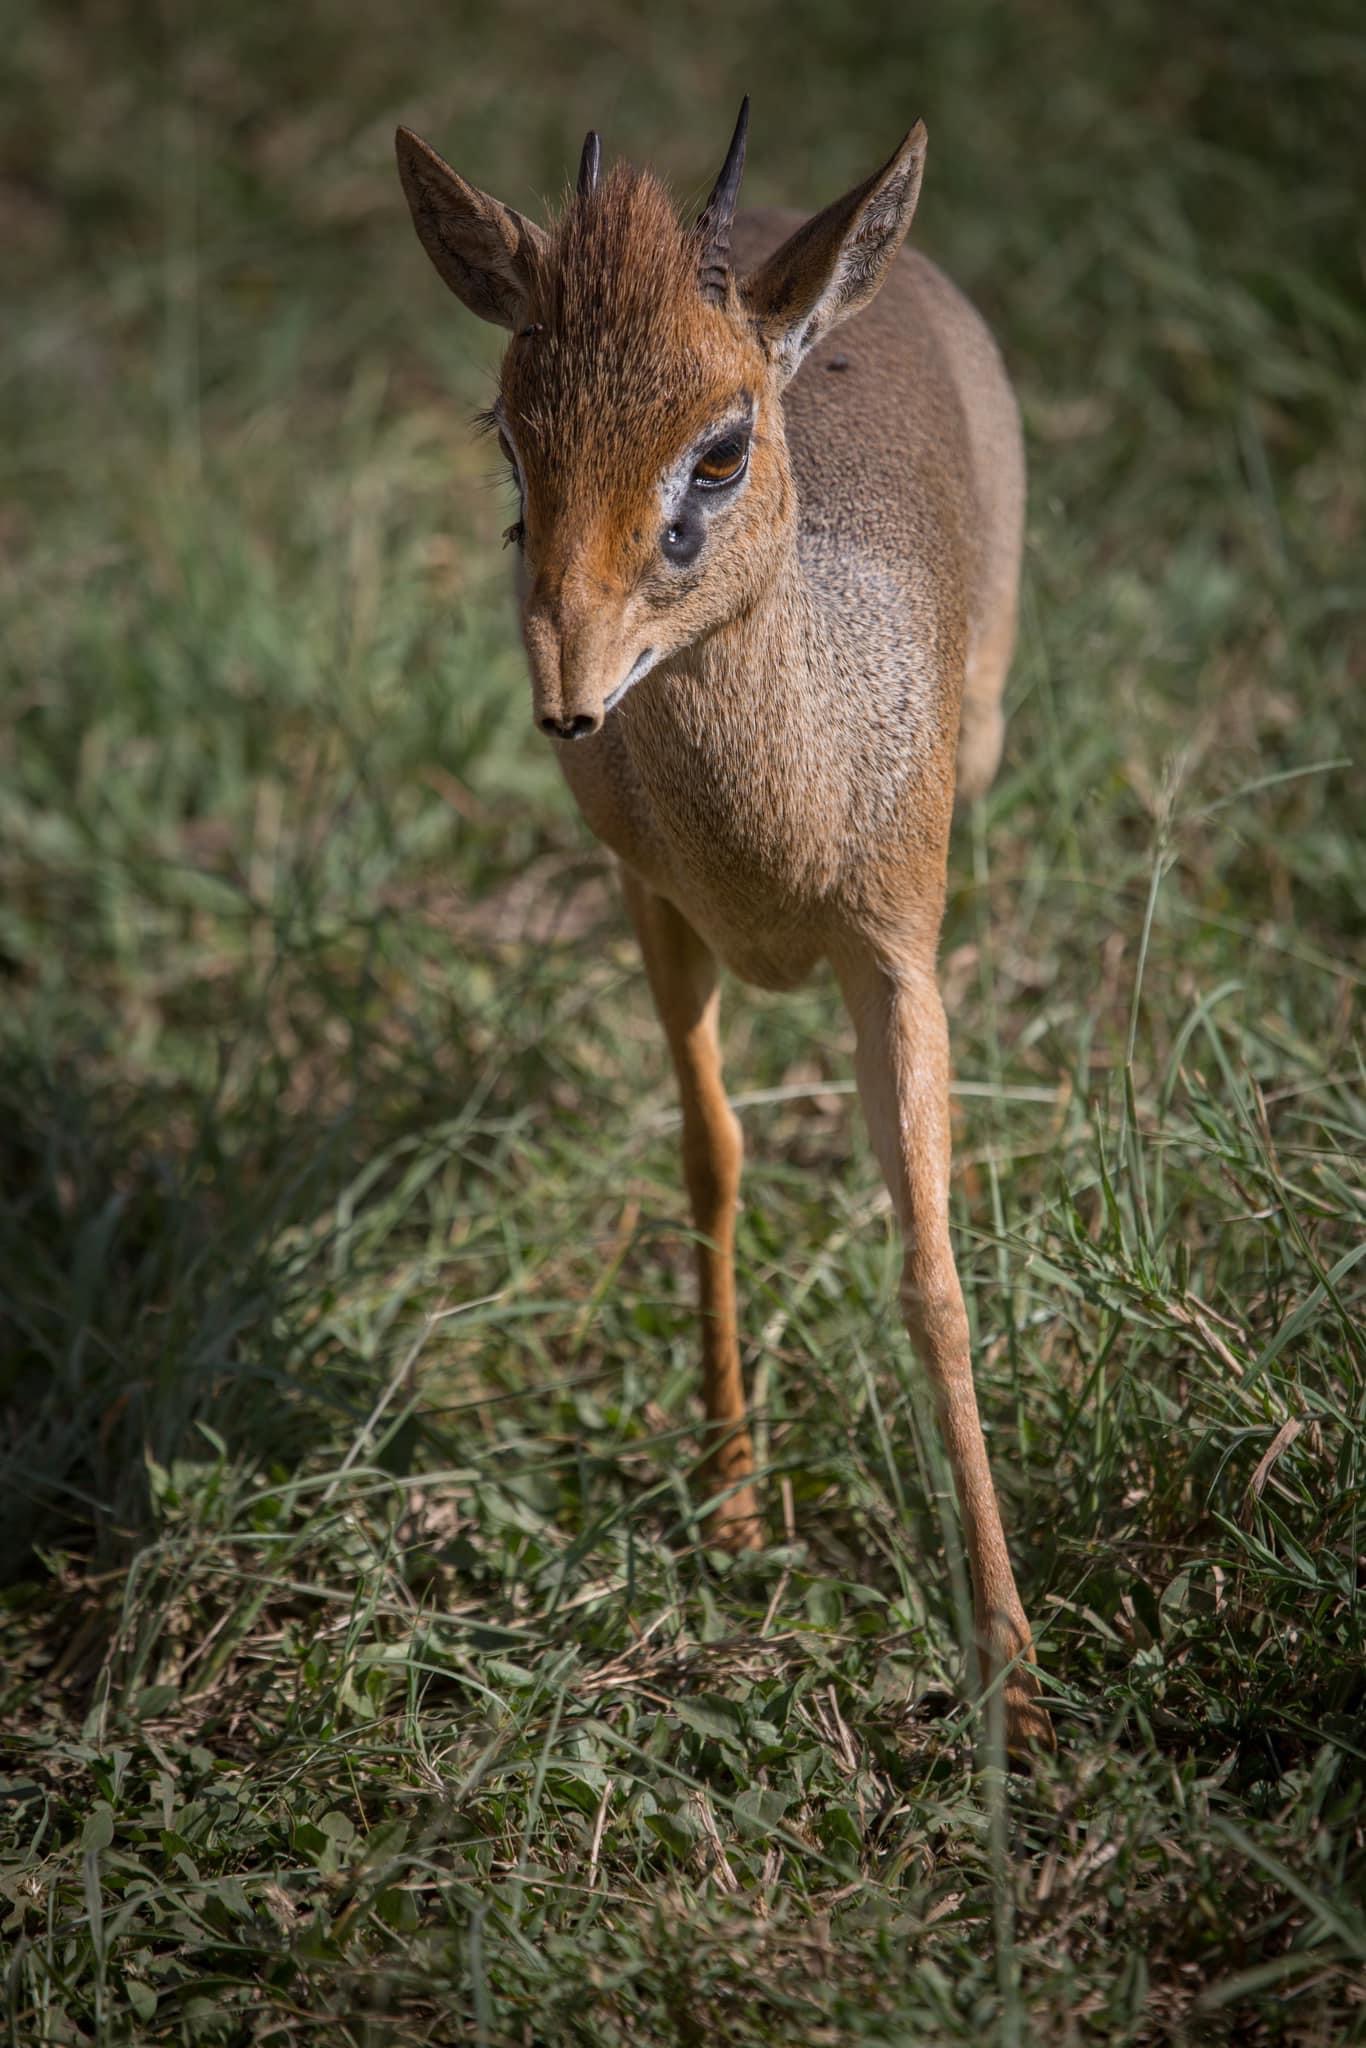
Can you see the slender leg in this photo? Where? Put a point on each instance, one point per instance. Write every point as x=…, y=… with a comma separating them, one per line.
x=981, y=730
x=903, y=1073
x=683, y=981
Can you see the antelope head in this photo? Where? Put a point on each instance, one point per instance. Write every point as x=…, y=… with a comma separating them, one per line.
x=639, y=398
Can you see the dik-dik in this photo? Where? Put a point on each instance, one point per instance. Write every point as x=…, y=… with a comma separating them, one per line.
x=771, y=497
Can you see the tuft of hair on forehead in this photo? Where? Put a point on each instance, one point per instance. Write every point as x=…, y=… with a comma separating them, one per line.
x=617, y=253
x=617, y=327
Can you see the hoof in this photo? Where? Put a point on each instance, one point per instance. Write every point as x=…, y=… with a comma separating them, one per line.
x=1005, y=1657
x=735, y=1524
x=1029, y=1731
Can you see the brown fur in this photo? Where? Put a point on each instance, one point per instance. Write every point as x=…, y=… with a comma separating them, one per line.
x=779, y=784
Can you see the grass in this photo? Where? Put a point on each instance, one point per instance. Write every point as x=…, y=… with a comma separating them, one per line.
x=365, y=1677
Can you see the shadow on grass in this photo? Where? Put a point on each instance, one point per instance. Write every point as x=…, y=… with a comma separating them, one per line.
x=145, y=1292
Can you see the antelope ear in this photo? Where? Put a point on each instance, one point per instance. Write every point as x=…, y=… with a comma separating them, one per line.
x=483, y=250
x=833, y=265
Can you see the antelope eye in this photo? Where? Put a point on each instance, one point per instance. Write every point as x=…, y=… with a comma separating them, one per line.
x=506, y=446
x=723, y=463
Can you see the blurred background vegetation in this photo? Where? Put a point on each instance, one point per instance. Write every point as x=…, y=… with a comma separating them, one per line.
x=363, y=1667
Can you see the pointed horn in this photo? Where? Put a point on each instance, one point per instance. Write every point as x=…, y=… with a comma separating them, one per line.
x=590, y=163
x=713, y=227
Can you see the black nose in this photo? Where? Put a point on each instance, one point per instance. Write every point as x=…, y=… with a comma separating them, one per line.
x=576, y=728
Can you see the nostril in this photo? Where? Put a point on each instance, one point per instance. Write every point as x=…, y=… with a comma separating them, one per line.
x=576, y=728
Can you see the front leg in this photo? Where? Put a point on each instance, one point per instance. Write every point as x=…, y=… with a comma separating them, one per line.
x=903, y=1074
x=683, y=981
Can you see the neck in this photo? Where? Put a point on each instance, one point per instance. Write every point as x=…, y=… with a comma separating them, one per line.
x=736, y=740
x=763, y=666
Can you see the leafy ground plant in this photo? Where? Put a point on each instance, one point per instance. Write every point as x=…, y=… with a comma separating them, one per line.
x=365, y=1677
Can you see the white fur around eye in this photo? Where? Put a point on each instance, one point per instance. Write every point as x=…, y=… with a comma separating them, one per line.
x=676, y=482
x=508, y=446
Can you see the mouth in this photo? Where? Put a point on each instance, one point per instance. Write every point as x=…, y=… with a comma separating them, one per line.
x=641, y=666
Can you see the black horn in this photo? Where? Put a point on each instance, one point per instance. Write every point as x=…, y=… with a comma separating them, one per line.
x=713, y=227
x=590, y=163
